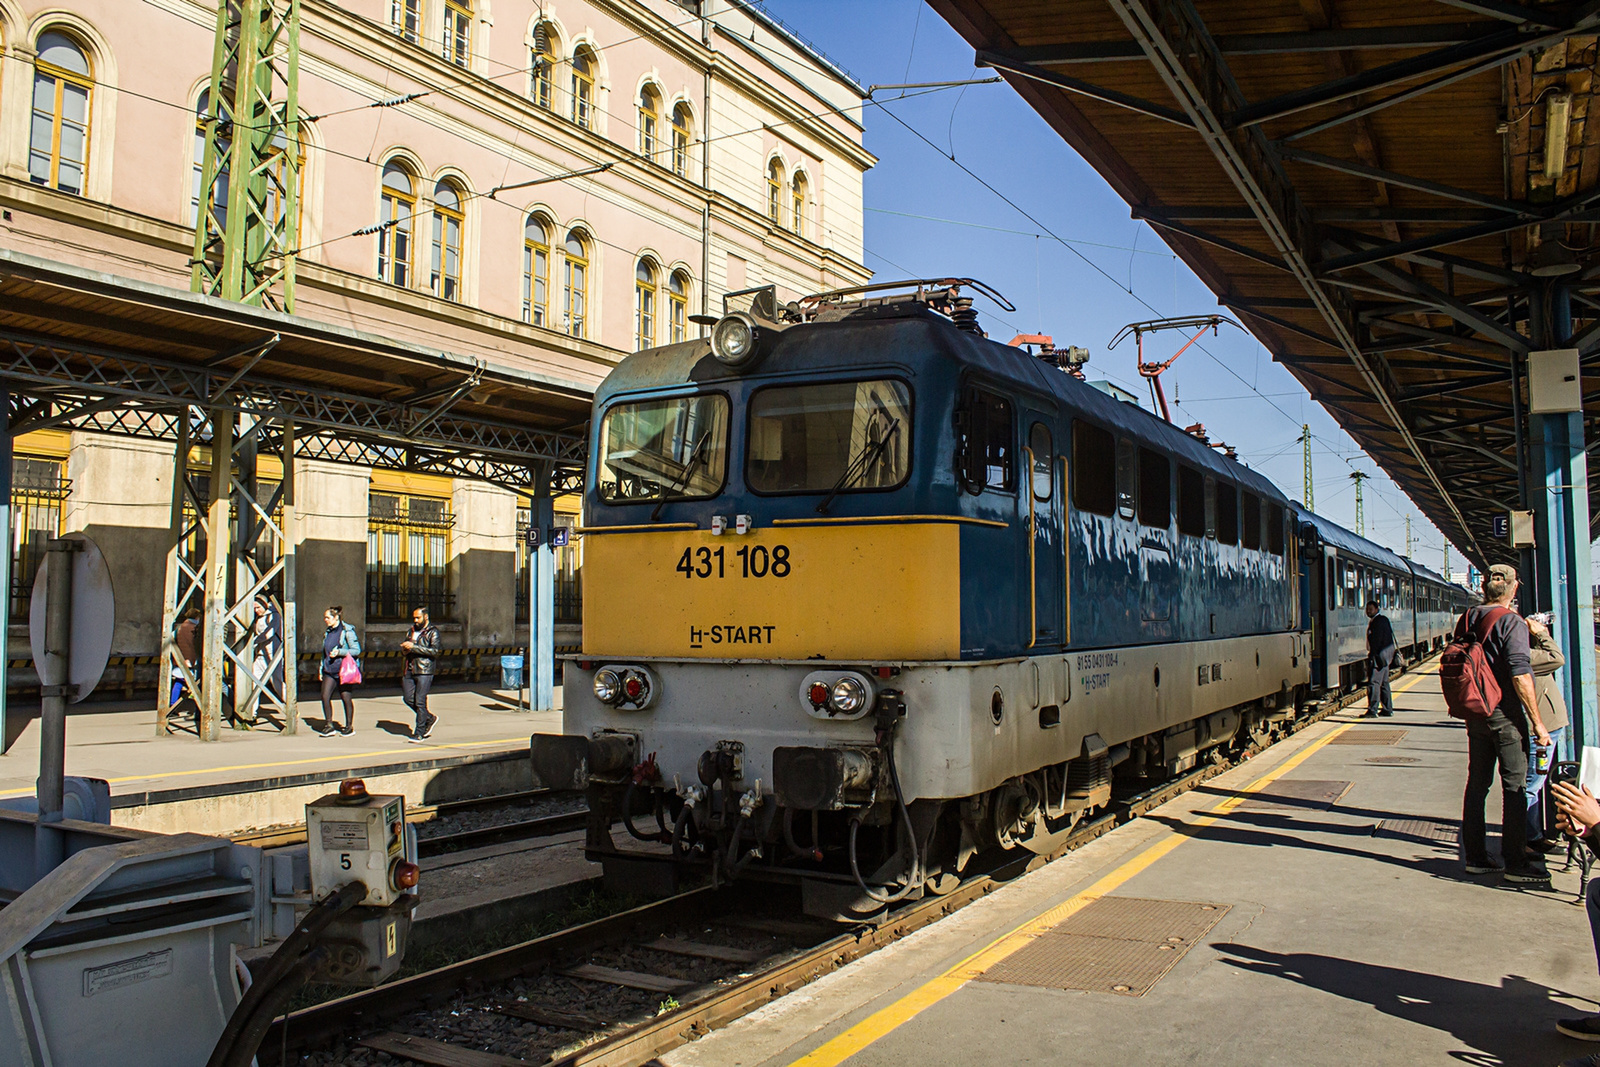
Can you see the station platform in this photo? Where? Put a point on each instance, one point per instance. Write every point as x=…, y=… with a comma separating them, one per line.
x=250, y=779
x=1307, y=907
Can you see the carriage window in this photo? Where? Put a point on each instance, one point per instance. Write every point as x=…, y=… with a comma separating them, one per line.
x=1333, y=584
x=1250, y=521
x=1044, y=462
x=1191, y=502
x=1275, y=529
x=1227, y=514
x=658, y=449
x=984, y=450
x=1127, y=471
x=837, y=435
x=1155, y=489
x=1094, y=469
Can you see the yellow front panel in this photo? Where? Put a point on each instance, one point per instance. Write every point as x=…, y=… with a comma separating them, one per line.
x=857, y=592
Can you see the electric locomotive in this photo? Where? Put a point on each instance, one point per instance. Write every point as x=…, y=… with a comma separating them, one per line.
x=871, y=592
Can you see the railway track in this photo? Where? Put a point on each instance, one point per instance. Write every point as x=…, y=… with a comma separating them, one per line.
x=621, y=990
x=470, y=837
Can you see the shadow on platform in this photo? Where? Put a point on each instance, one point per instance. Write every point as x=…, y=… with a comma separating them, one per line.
x=1507, y=1025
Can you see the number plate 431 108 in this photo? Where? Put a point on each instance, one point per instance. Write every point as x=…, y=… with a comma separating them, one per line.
x=747, y=561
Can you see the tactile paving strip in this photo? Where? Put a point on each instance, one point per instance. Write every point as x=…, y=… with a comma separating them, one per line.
x=1393, y=759
x=1121, y=945
x=1426, y=831
x=1366, y=735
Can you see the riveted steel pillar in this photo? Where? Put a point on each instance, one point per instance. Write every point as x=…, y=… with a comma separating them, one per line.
x=1563, y=571
x=180, y=584
x=541, y=667
x=219, y=565
x=5, y=557
x=290, y=525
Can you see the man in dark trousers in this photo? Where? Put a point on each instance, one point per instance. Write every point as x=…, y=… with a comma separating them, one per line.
x=1380, y=659
x=1502, y=737
x=421, y=651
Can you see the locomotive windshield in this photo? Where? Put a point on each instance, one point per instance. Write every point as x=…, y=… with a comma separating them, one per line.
x=659, y=449
x=829, y=438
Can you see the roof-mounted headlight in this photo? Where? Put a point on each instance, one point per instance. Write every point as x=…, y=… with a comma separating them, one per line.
x=733, y=339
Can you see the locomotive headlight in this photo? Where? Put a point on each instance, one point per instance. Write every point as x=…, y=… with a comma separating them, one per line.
x=849, y=696
x=607, y=687
x=733, y=339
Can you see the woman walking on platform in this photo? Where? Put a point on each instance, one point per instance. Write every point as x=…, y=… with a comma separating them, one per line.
x=341, y=670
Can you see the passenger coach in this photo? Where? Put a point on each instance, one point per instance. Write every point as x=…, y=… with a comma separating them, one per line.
x=876, y=592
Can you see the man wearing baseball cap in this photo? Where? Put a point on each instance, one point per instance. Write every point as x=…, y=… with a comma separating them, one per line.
x=1502, y=738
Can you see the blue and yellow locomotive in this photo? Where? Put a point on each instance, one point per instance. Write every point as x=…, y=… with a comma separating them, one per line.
x=870, y=593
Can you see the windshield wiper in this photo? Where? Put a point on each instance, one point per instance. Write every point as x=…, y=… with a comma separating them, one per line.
x=860, y=465
x=696, y=457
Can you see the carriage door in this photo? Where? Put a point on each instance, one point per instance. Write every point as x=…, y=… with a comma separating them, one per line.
x=1047, y=548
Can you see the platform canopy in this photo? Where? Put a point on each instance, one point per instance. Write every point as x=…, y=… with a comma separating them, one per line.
x=1397, y=196
x=87, y=350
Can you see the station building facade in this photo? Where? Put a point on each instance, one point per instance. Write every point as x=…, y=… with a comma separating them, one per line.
x=548, y=183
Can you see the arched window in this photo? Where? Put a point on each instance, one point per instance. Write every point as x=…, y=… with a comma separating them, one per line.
x=775, y=192
x=201, y=112
x=797, y=197
x=448, y=220
x=649, y=119
x=458, y=32
x=58, y=143
x=644, y=302
x=680, y=140
x=542, y=66
x=583, y=88
x=536, y=271
x=394, y=238
x=405, y=18
x=576, y=284
x=678, y=306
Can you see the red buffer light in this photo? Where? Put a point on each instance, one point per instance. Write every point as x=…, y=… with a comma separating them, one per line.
x=818, y=695
x=633, y=686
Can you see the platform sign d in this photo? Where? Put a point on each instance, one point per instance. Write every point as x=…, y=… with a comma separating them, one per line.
x=94, y=615
x=532, y=537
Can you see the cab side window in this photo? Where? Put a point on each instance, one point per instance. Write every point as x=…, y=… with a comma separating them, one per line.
x=984, y=456
x=1043, y=463
x=1094, y=469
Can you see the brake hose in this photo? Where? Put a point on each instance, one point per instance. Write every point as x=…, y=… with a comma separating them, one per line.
x=911, y=838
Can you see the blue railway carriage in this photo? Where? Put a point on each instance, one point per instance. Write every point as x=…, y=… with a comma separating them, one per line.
x=872, y=593
x=1439, y=603
x=1340, y=572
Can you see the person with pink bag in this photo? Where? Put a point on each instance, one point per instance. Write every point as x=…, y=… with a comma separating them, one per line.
x=341, y=670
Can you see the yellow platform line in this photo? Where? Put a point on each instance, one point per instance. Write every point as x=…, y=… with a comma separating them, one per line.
x=292, y=763
x=887, y=1019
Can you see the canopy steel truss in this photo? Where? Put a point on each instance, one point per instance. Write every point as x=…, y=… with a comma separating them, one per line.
x=1401, y=198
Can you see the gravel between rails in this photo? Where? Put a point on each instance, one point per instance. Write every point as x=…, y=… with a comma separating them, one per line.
x=456, y=822
x=472, y=1021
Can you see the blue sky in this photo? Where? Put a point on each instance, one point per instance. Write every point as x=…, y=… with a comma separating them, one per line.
x=1077, y=291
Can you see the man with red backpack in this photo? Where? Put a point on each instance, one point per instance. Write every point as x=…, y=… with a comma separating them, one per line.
x=1499, y=737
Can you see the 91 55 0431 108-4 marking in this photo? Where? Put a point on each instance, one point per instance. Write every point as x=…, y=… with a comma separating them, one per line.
x=748, y=561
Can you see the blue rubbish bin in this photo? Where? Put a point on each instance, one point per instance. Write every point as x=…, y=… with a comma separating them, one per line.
x=510, y=672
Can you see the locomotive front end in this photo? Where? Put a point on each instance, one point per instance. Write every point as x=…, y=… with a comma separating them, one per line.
x=750, y=615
